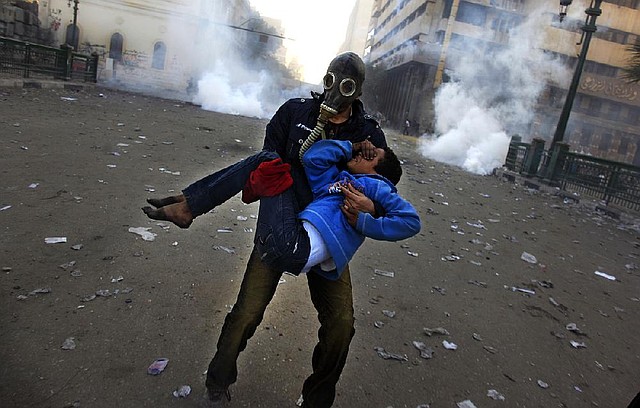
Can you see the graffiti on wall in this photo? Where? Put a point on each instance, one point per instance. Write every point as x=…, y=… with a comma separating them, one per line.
x=56, y=19
x=133, y=58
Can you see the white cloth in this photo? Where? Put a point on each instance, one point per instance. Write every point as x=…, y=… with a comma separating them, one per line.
x=318, y=254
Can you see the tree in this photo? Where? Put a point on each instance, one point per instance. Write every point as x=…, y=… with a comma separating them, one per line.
x=632, y=70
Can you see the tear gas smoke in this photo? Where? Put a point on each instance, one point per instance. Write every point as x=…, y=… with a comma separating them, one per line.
x=492, y=96
x=231, y=79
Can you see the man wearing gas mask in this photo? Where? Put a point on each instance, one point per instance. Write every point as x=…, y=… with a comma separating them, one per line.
x=335, y=114
x=338, y=114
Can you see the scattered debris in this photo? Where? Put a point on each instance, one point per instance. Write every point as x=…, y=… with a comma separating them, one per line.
x=439, y=290
x=378, y=324
x=478, y=283
x=543, y=384
x=384, y=273
x=465, y=404
x=224, y=248
x=449, y=346
x=477, y=337
x=55, y=240
x=605, y=275
x=77, y=247
x=144, y=233
x=182, y=392
x=493, y=394
x=40, y=291
x=390, y=356
x=389, y=313
x=69, y=344
x=527, y=257
x=572, y=327
x=577, y=345
x=158, y=366
x=415, y=254
x=438, y=330
x=528, y=291
x=425, y=351
x=450, y=258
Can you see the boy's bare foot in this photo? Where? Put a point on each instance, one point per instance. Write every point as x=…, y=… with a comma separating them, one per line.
x=161, y=202
x=177, y=213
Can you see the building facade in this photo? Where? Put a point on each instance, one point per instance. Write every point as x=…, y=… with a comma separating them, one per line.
x=417, y=41
x=161, y=45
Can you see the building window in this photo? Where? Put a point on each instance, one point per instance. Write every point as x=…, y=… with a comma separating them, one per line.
x=159, y=54
x=472, y=14
x=115, y=47
x=624, y=146
x=605, y=142
x=446, y=11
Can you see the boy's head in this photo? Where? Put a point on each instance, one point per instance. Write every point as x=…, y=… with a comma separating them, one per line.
x=386, y=164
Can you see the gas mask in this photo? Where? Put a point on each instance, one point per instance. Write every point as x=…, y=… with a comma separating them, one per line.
x=343, y=82
x=342, y=85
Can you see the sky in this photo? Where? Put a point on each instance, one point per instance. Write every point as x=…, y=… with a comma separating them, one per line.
x=316, y=27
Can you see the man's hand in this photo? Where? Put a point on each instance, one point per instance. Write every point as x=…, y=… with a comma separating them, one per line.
x=354, y=203
x=366, y=148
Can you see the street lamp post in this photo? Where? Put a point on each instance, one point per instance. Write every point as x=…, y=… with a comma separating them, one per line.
x=74, y=32
x=588, y=29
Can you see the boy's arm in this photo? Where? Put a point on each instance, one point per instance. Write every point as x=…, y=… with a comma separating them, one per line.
x=320, y=162
x=401, y=220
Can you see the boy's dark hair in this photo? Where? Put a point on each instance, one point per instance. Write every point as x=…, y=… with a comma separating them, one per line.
x=389, y=167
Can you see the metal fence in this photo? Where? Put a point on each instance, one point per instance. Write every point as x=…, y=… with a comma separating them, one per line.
x=612, y=182
x=28, y=60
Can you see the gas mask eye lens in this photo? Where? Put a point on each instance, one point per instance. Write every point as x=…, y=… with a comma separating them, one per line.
x=347, y=87
x=328, y=80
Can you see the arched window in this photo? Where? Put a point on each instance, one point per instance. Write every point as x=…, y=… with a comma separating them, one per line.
x=115, y=47
x=159, y=54
x=72, y=37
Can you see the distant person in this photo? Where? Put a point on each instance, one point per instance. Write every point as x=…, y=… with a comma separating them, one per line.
x=407, y=126
x=333, y=299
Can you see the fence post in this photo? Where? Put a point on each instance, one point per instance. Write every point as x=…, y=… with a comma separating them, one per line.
x=94, y=66
x=533, y=157
x=67, y=59
x=512, y=153
x=27, y=59
x=612, y=183
x=558, y=156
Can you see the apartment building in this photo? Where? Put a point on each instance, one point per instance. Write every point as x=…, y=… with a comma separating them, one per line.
x=418, y=41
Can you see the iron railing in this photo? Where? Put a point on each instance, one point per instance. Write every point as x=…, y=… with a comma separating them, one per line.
x=28, y=60
x=612, y=182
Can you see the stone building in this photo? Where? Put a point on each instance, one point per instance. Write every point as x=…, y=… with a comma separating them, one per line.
x=157, y=46
x=416, y=42
x=19, y=20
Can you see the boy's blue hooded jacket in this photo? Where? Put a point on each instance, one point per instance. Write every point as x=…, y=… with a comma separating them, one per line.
x=400, y=221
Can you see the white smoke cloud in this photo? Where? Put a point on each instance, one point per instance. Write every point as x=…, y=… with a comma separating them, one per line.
x=492, y=97
x=228, y=81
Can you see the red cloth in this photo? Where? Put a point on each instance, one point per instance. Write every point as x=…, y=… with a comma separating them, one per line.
x=269, y=179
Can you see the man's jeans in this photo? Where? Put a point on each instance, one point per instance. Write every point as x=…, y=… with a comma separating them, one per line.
x=334, y=303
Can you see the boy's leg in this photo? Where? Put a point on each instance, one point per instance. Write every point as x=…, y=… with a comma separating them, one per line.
x=214, y=189
x=206, y=193
x=334, y=302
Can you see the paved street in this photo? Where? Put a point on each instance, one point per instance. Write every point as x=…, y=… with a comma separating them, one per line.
x=543, y=332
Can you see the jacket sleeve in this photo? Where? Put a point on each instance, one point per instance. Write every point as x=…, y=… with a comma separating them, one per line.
x=400, y=221
x=277, y=131
x=320, y=162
